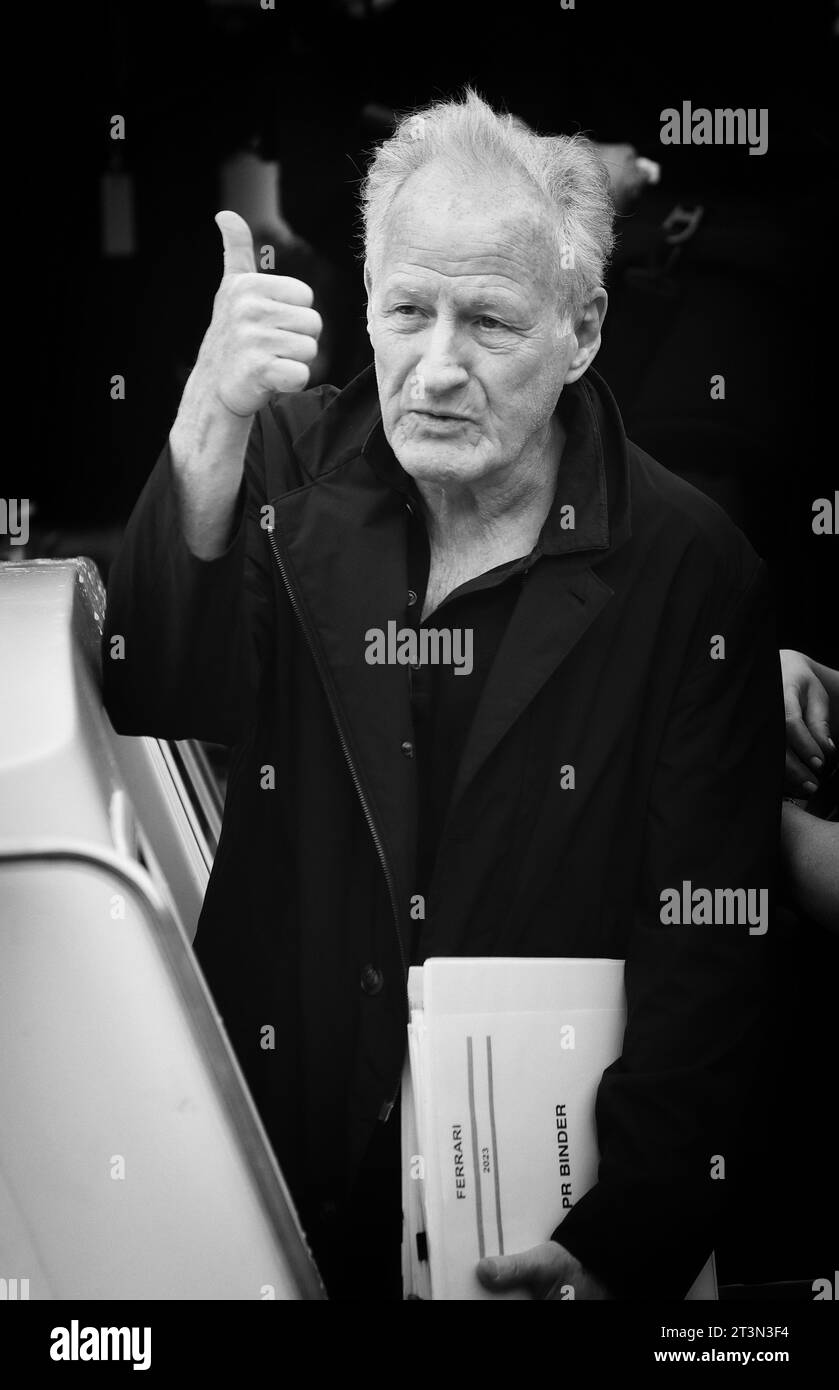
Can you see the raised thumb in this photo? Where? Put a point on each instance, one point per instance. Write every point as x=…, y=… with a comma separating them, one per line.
x=501, y=1271
x=238, y=243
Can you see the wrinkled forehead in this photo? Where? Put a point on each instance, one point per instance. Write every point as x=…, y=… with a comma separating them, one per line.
x=450, y=226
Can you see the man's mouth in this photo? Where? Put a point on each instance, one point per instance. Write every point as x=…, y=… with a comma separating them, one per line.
x=439, y=414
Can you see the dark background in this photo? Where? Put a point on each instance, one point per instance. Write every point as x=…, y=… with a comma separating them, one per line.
x=196, y=81
x=310, y=85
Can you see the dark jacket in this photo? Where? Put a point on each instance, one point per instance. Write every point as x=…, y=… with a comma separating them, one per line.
x=606, y=665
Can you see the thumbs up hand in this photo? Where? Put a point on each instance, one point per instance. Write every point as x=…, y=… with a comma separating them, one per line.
x=263, y=331
x=261, y=336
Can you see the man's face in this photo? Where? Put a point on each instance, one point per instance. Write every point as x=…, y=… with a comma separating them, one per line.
x=466, y=327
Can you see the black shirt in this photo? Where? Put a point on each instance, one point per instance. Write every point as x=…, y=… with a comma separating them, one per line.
x=443, y=698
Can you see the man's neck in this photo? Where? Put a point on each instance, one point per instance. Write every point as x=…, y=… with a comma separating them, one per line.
x=503, y=516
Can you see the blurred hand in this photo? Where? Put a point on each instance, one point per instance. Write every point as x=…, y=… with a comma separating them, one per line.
x=263, y=331
x=548, y=1271
x=627, y=178
x=807, y=708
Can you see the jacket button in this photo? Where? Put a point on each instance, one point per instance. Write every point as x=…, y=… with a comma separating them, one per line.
x=408, y=749
x=372, y=980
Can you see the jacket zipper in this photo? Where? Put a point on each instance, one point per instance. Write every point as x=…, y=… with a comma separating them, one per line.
x=368, y=815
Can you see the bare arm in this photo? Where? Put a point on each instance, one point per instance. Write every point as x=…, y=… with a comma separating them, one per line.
x=207, y=444
x=811, y=855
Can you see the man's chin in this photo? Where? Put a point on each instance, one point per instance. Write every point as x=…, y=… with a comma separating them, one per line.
x=441, y=463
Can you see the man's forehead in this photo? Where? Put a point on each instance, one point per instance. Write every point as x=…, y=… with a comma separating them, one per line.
x=472, y=233
x=439, y=191
x=485, y=207
x=467, y=279
x=442, y=181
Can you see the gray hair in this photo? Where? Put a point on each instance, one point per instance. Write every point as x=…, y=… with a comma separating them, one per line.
x=565, y=171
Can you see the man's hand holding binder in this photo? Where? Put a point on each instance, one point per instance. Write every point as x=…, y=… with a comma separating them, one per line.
x=547, y=1271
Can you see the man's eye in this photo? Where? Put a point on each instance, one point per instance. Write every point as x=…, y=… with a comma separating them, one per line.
x=486, y=322
x=405, y=310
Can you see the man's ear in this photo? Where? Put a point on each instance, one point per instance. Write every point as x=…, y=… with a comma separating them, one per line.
x=587, y=333
x=368, y=285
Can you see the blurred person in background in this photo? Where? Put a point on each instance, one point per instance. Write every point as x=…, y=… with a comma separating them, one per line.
x=810, y=832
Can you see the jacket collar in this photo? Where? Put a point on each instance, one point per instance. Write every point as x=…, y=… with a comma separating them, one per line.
x=593, y=475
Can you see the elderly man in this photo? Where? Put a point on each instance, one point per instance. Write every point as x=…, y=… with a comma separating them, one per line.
x=615, y=737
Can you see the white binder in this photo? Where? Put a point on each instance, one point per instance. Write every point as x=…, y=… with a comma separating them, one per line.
x=498, y=1137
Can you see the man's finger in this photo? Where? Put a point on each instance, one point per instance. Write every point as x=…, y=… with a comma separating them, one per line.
x=509, y=1271
x=799, y=777
x=285, y=289
x=238, y=243
x=817, y=715
x=298, y=346
x=284, y=375
x=291, y=318
x=499, y=1271
x=801, y=742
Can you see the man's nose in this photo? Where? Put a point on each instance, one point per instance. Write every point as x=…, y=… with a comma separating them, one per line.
x=441, y=367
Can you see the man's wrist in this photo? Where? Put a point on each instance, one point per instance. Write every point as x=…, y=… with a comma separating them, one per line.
x=206, y=471
x=206, y=434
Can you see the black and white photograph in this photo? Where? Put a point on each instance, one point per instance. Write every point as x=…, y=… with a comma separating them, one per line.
x=419, y=625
